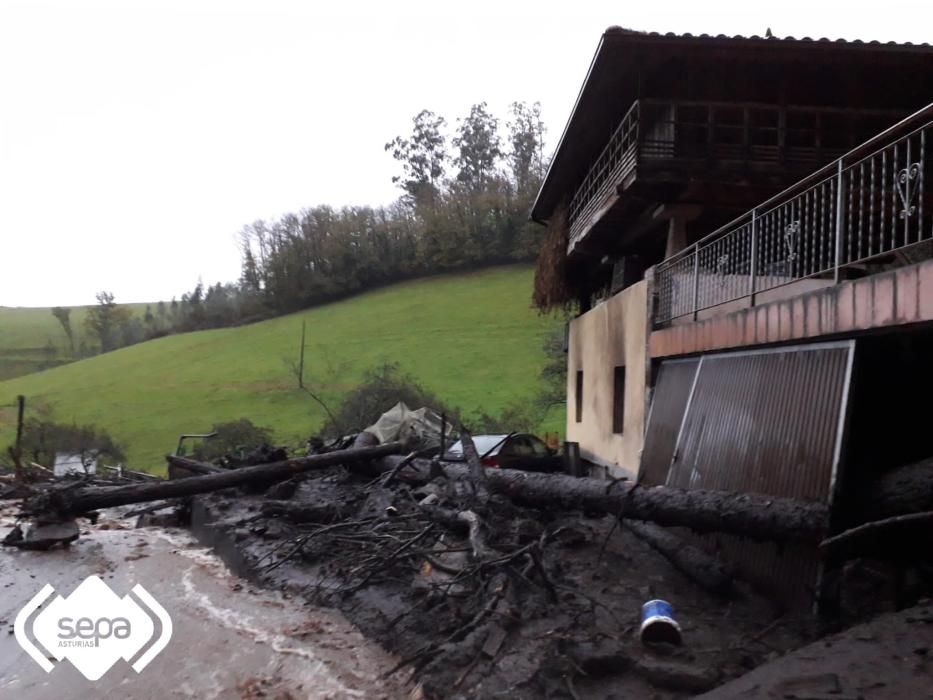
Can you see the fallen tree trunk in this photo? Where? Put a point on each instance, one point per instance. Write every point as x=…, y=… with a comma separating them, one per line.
x=183, y=467
x=74, y=501
x=703, y=569
x=750, y=515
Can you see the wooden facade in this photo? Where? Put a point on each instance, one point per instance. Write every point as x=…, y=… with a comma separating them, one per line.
x=673, y=136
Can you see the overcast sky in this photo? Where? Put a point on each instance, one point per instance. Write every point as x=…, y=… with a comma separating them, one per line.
x=136, y=138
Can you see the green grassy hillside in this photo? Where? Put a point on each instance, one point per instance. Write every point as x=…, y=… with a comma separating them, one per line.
x=472, y=339
x=32, y=340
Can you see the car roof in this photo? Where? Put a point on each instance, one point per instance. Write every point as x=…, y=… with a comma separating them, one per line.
x=485, y=444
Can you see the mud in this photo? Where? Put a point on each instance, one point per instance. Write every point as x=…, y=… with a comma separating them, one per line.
x=378, y=596
x=583, y=644
x=230, y=640
x=888, y=657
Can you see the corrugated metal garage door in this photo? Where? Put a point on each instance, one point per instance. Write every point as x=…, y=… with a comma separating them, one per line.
x=765, y=421
x=669, y=401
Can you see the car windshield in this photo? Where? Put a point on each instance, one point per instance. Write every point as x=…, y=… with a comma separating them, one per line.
x=484, y=443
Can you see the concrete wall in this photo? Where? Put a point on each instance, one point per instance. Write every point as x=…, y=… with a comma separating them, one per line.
x=612, y=334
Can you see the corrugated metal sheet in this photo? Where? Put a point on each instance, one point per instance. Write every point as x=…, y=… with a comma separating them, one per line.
x=764, y=421
x=669, y=401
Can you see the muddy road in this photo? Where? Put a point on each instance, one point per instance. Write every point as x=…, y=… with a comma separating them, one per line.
x=230, y=640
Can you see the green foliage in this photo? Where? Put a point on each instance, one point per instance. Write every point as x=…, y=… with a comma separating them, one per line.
x=528, y=415
x=232, y=437
x=423, y=157
x=476, y=219
x=382, y=387
x=477, y=144
x=27, y=333
x=526, y=139
x=517, y=417
x=105, y=322
x=553, y=385
x=63, y=316
x=43, y=438
x=470, y=338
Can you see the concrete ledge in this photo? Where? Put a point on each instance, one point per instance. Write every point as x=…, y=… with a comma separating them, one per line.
x=895, y=298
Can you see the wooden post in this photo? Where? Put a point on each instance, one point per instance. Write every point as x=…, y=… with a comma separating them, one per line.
x=18, y=448
x=301, y=359
x=443, y=448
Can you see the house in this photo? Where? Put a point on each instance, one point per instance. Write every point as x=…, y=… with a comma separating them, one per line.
x=745, y=226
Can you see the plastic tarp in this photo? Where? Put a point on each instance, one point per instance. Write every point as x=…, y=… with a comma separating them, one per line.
x=422, y=426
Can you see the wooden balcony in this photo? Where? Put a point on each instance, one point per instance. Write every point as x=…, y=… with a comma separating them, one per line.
x=867, y=212
x=673, y=142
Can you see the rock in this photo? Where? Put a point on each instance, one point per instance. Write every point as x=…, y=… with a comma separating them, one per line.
x=46, y=535
x=600, y=658
x=677, y=676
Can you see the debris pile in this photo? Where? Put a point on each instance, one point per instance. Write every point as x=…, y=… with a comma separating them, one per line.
x=482, y=581
x=479, y=594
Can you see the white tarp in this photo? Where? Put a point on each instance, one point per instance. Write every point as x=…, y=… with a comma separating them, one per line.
x=401, y=423
x=68, y=463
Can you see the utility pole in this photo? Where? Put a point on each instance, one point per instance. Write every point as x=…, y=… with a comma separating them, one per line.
x=301, y=359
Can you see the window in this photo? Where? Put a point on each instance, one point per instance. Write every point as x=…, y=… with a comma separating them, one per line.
x=618, y=400
x=538, y=448
x=579, y=396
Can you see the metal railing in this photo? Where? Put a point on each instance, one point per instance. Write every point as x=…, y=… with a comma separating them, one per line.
x=614, y=162
x=864, y=210
x=690, y=136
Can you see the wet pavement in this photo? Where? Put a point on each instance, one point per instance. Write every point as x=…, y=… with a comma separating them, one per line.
x=230, y=640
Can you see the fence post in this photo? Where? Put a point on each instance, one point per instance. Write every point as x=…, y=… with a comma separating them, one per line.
x=839, y=221
x=696, y=281
x=17, y=452
x=753, y=263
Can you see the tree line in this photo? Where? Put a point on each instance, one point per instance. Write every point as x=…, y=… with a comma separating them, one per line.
x=464, y=204
x=465, y=198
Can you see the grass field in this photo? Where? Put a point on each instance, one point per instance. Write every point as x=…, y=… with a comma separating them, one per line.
x=31, y=339
x=472, y=339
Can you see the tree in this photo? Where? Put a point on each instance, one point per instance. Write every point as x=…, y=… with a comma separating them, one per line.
x=63, y=315
x=105, y=320
x=250, y=279
x=423, y=157
x=477, y=144
x=526, y=147
x=382, y=387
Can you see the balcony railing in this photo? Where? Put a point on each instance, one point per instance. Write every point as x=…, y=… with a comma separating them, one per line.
x=698, y=137
x=865, y=209
x=613, y=164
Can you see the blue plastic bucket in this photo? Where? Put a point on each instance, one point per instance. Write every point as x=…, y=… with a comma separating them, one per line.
x=658, y=623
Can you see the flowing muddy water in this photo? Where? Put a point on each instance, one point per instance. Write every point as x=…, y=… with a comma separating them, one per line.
x=230, y=640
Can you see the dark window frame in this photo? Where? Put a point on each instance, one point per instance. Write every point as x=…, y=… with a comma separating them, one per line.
x=618, y=400
x=578, y=398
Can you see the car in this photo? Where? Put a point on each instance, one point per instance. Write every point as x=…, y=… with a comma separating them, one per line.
x=510, y=451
